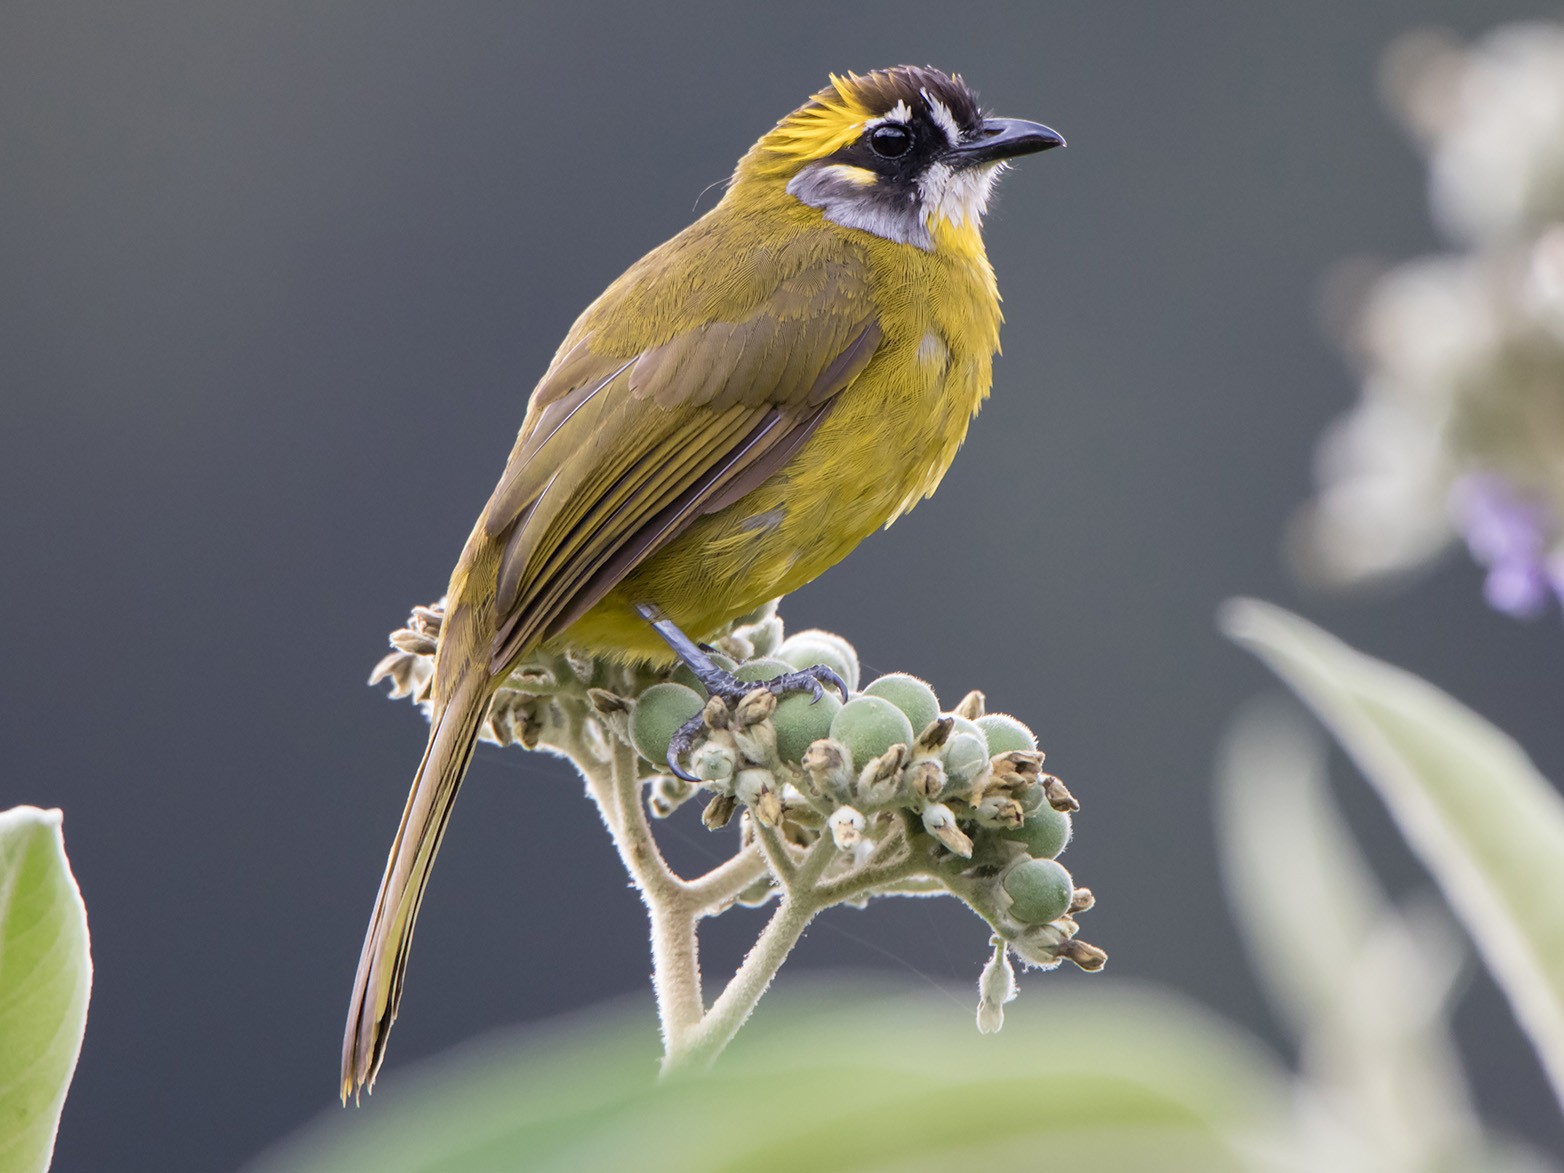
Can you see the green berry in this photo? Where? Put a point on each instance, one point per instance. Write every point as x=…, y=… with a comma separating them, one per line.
x=909, y=694
x=658, y=713
x=761, y=670
x=801, y=721
x=1005, y=734
x=1046, y=832
x=868, y=726
x=965, y=755
x=683, y=675
x=808, y=648
x=1040, y=891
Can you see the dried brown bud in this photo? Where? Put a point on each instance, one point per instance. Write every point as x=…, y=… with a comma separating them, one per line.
x=1088, y=957
x=935, y=734
x=607, y=702
x=941, y=823
x=414, y=643
x=719, y=811
x=925, y=778
x=826, y=769
x=997, y=810
x=972, y=706
x=880, y=780
x=754, y=707
x=716, y=713
x=1013, y=771
x=1058, y=796
x=1082, y=900
x=768, y=808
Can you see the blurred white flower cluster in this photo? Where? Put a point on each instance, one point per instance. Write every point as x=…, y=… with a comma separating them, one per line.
x=1460, y=429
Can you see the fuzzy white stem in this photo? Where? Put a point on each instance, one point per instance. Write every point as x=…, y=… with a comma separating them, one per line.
x=743, y=992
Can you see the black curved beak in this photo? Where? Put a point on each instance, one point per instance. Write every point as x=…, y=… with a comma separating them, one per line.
x=1006, y=138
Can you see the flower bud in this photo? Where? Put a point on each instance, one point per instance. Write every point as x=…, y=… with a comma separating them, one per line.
x=668, y=795
x=766, y=636
x=712, y=762
x=768, y=807
x=1004, y=733
x=657, y=716
x=801, y=721
x=1082, y=901
x=809, y=648
x=870, y=725
x=753, y=733
x=879, y=782
x=965, y=756
x=1039, y=890
x=1038, y=946
x=909, y=694
x=846, y=826
x=828, y=770
x=748, y=784
x=996, y=987
x=941, y=823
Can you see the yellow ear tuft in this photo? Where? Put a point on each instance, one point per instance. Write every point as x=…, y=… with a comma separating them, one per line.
x=821, y=126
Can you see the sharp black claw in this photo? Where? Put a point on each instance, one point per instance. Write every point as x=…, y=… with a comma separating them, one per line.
x=814, y=679
x=679, y=745
x=679, y=771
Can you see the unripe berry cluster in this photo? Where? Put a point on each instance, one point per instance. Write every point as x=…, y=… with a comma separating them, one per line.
x=903, y=795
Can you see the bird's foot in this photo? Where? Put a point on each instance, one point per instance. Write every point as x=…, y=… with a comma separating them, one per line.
x=720, y=683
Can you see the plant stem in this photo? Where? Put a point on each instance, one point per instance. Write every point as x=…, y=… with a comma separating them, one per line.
x=676, y=975
x=723, y=883
x=738, y=1000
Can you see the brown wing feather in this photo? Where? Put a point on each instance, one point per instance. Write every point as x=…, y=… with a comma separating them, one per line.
x=619, y=455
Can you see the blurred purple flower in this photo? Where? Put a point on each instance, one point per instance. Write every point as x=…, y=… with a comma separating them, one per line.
x=1508, y=532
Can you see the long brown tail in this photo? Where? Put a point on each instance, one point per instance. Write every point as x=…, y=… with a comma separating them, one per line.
x=453, y=732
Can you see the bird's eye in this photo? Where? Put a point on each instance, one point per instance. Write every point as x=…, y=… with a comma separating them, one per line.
x=890, y=141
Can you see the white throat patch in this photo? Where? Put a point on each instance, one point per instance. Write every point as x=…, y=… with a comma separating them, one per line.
x=854, y=198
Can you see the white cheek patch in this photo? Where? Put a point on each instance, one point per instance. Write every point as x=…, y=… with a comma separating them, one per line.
x=841, y=193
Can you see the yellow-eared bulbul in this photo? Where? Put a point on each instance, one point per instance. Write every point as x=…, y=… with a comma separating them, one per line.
x=733, y=415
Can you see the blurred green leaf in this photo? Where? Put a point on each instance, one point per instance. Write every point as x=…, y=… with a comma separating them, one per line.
x=45, y=980
x=1485, y=823
x=1364, y=988
x=843, y=1080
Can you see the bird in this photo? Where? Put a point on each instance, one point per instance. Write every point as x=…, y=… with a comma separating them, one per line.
x=730, y=418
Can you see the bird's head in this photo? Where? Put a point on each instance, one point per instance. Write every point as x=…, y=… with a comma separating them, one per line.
x=904, y=153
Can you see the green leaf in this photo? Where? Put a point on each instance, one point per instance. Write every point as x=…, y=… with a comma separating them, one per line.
x=847, y=1079
x=1364, y=987
x=45, y=980
x=1486, y=824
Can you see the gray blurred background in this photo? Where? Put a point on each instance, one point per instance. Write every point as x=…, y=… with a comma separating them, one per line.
x=275, y=281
